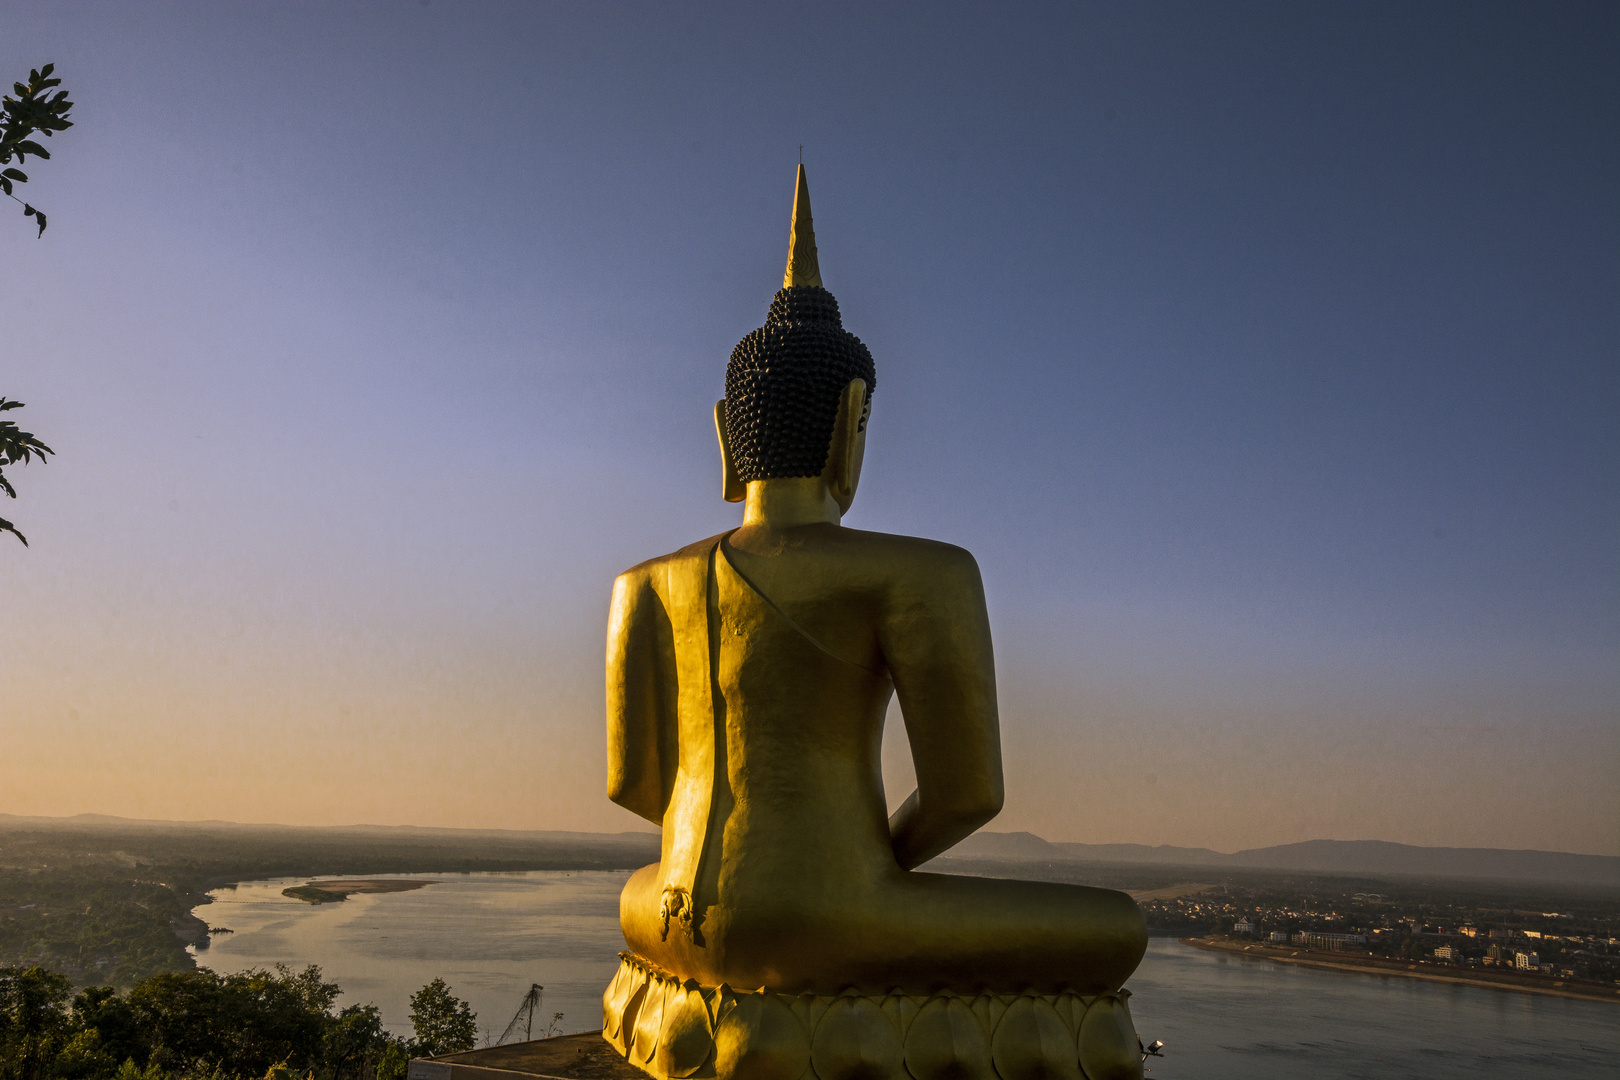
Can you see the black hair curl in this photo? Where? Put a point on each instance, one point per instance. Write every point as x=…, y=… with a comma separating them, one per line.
x=783, y=384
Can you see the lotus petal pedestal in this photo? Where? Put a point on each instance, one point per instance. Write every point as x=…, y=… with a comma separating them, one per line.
x=682, y=1030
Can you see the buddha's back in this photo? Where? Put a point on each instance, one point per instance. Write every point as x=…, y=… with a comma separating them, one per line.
x=775, y=821
x=803, y=690
x=838, y=620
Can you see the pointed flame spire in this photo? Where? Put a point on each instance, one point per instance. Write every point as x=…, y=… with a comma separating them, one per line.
x=802, y=267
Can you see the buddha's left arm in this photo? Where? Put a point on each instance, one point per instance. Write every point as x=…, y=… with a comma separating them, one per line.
x=639, y=728
x=936, y=642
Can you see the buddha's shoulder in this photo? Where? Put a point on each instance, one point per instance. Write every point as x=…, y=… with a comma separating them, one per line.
x=861, y=558
x=655, y=568
x=911, y=549
x=873, y=559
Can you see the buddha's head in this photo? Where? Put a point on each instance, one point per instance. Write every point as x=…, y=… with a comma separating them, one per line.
x=798, y=389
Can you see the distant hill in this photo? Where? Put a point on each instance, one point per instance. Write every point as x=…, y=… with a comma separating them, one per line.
x=231, y=851
x=1317, y=856
x=1368, y=857
x=107, y=822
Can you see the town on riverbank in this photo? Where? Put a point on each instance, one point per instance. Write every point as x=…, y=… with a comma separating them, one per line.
x=1549, y=982
x=1543, y=935
x=1510, y=936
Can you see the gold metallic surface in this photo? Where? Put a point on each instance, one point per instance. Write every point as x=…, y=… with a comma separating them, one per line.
x=945, y=1041
x=720, y=1034
x=748, y=677
x=1109, y=1048
x=1033, y=1042
x=802, y=266
x=759, y=1038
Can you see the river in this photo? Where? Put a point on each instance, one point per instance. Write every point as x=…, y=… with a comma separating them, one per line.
x=1222, y=1017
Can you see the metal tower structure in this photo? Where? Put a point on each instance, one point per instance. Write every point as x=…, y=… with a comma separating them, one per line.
x=523, y=1019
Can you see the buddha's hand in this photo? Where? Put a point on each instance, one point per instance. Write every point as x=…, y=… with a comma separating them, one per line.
x=676, y=904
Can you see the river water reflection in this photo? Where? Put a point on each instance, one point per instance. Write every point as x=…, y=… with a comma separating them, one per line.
x=1222, y=1017
x=488, y=935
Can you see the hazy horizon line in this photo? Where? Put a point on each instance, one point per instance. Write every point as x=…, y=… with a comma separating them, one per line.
x=88, y=817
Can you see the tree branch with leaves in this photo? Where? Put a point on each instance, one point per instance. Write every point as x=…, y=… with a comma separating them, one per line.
x=33, y=111
x=16, y=445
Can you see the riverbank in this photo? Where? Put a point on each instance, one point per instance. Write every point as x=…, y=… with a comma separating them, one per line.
x=109, y=902
x=490, y=936
x=1409, y=969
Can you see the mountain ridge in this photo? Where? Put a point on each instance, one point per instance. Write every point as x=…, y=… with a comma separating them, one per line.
x=1319, y=856
x=1370, y=857
x=110, y=821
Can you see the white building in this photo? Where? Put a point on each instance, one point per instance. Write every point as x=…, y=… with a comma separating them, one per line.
x=1527, y=961
x=1330, y=942
x=1243, y=926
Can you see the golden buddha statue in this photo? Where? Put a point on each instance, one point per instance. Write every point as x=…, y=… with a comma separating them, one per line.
x=785, y=933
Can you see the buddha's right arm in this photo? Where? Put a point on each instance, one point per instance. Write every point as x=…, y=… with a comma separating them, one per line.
x=640, y=726
x=936, y=642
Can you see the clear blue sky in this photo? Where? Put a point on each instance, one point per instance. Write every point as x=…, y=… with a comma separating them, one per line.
x=1264, y=354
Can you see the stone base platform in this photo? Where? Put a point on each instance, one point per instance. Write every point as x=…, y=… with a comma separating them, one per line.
x=681, y=1030
x=586, y=1056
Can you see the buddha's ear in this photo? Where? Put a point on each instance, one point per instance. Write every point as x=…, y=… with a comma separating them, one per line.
x=849, y=444
x=732, y=488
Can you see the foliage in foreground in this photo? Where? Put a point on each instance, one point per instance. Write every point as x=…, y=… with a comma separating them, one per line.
x=443, y=1023
x=34, y=111
x=281, y=1024
x=16, y=445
